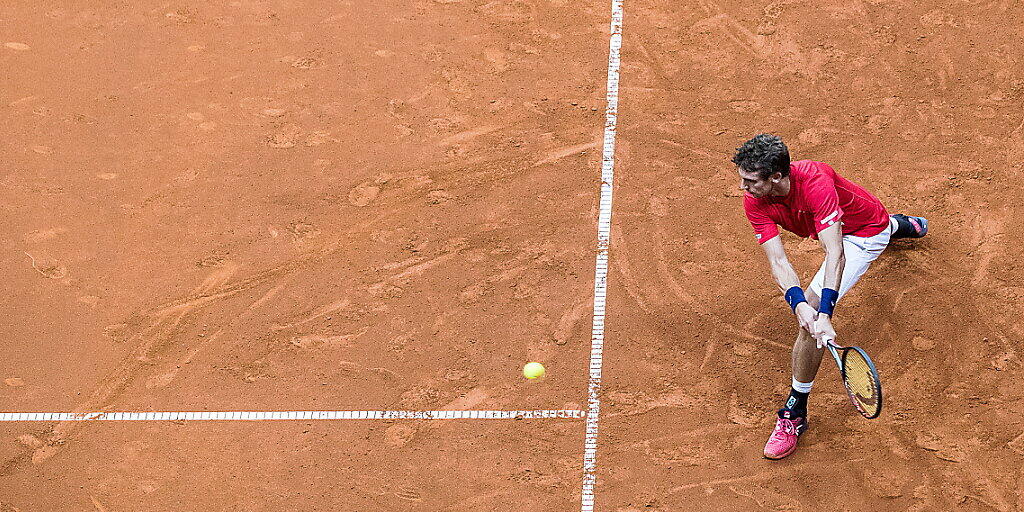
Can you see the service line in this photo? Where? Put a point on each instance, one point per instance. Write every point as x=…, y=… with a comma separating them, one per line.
x=290, y=415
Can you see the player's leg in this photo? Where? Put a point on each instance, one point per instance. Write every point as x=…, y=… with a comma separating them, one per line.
x=907, y=226
x=792, y=418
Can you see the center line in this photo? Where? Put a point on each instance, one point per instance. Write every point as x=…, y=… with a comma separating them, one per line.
x=604, y=226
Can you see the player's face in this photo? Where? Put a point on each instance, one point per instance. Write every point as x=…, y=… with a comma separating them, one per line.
x=754, y=184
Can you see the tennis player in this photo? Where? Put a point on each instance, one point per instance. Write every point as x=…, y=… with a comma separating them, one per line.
x=810, y=199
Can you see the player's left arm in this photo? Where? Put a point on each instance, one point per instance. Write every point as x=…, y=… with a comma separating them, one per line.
x=832, y=241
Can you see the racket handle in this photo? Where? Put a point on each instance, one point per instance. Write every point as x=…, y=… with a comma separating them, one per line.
x=827, y=341
x=831, y=346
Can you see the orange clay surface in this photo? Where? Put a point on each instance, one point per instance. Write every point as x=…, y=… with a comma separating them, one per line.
x=268, y=205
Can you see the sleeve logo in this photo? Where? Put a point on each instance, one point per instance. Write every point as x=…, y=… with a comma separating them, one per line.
x=830, y=219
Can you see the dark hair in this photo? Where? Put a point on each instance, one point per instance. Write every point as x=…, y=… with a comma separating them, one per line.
x=764, y=154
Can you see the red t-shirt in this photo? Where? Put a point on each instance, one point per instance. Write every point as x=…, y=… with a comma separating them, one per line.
x=818, y=198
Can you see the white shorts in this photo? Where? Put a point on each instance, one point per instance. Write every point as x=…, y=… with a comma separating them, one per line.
x=860, y=252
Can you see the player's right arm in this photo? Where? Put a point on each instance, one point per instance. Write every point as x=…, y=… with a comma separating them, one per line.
x=789, y=282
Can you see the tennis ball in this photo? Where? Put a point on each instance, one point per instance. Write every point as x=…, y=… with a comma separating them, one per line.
x=533, y=370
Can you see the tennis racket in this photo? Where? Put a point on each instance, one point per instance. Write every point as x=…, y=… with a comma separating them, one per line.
x=859, y=378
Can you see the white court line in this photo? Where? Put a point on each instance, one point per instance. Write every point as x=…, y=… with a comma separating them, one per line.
x=604, y=226
x=290, y=415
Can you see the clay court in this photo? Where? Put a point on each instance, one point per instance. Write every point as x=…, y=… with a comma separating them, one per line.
x=274, y=206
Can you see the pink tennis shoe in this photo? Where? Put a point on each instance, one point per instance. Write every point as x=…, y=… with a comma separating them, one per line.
x=784, y=437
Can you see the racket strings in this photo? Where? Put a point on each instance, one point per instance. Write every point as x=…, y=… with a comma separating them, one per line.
x=861, y=383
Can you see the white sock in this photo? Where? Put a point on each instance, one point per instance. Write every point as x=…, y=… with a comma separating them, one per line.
x=803, y=387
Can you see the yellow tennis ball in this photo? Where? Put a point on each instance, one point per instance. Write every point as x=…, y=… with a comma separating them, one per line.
x=533, y=370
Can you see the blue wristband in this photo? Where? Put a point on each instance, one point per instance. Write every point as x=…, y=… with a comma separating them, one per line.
x=794, y=296
x=828, y=301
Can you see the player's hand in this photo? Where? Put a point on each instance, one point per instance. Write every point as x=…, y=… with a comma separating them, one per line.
x=825, y=331
x=806, y=316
